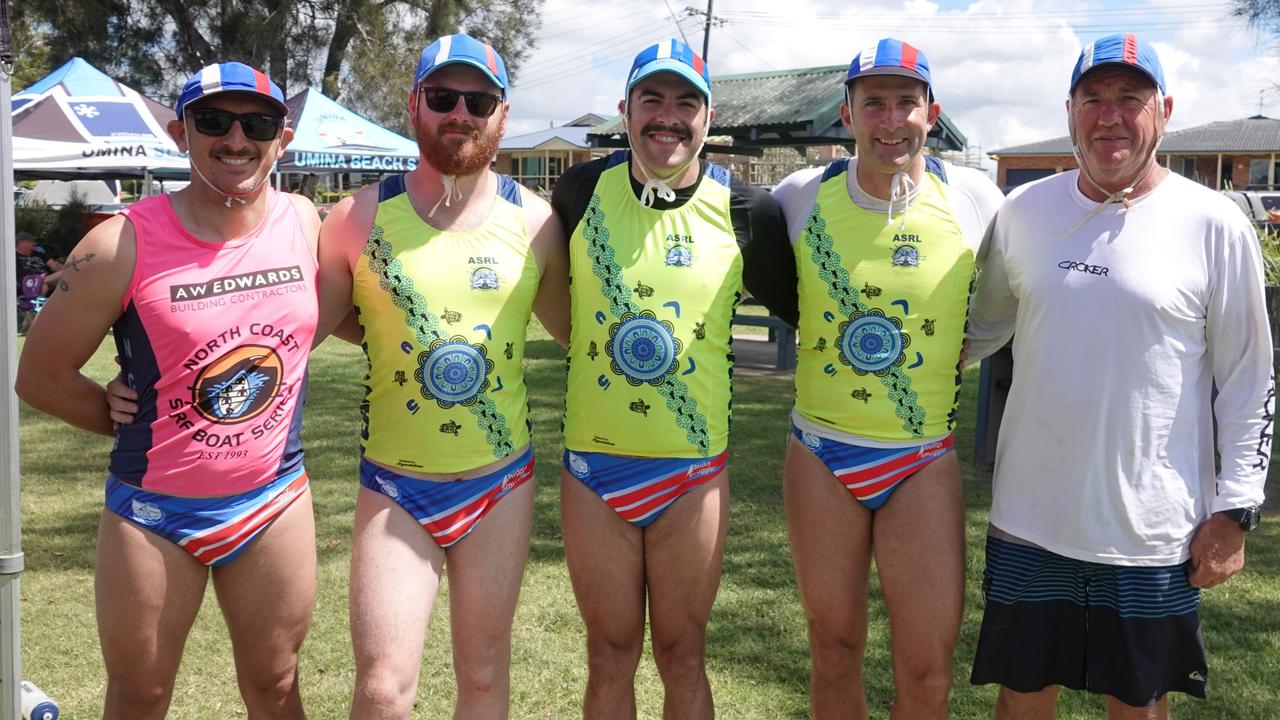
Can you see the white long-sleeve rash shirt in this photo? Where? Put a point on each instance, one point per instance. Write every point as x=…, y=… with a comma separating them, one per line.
x=1121, y=328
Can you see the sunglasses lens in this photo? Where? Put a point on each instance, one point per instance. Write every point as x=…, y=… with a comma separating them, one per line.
x=441, y=100
x=481, y=104
x=212, y=122
x=260, y=127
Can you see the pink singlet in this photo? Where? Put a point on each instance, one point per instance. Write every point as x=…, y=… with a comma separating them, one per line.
x=215, y=338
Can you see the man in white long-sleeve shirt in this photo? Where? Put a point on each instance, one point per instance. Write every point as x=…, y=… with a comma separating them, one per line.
x=1130, y=292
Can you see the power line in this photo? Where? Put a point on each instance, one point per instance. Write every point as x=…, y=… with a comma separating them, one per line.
x=621, y=52
x=747, y=48
x=574, y=58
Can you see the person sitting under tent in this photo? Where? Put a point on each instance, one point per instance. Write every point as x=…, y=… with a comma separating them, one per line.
x=33, y=260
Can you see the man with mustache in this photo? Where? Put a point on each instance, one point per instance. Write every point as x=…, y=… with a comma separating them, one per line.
x=885, y=245
x=657, y=245
x=210, y=295
x=443, y=266
x=1132, y=295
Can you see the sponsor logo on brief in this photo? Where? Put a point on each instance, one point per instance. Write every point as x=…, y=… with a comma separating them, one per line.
x=387, y=487
x=147, y=513
x=578, y=466
x=811, y=441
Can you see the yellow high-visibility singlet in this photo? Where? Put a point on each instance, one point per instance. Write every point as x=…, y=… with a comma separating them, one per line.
x=443, y=316
x=883, y=309
x=653, y=296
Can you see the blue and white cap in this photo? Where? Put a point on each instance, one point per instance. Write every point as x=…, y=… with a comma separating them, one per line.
x=1120, y=49
x=229, y=77
x=891, y=57
x=671, y=56
x=462, y=49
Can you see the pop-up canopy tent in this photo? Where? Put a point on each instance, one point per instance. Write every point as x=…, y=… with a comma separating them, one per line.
x=78, y=121
x=329, y=138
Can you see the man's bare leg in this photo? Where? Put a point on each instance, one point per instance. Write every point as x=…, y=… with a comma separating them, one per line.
x=1039, y=705
x=605, y=555
x=1158, y=710
x=395, y=572
x=485, y=569
x=830, y=535
x=918, y=544
x=684, y=553
x=267, y=595
x=147, y=591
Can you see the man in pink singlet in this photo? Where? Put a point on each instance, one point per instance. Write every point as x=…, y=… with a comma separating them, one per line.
x=210, y=295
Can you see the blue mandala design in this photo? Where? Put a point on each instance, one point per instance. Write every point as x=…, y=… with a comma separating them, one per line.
x=872, y=343
x=642, y=348
x=453, y=372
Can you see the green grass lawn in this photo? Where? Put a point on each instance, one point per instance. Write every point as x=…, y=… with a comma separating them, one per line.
x=757, y=653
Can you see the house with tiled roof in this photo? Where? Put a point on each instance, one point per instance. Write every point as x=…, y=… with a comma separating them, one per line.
x=1241, y=153
x=538, y=158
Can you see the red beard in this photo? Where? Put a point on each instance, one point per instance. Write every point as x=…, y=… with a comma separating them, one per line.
x=455, y=156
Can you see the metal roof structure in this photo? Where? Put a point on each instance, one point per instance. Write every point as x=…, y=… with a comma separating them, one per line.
x=1257, y=134
x=788, y=108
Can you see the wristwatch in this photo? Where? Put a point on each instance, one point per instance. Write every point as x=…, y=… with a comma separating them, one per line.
x=1246, y=517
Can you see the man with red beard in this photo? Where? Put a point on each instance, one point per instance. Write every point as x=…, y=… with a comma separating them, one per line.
x=660, y=244
x=443, y=266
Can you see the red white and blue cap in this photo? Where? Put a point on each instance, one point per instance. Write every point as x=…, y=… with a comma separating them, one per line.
x=462, y=50
x=891, y=57
x=230, y=77
x=1121, y=49
x=671, y=56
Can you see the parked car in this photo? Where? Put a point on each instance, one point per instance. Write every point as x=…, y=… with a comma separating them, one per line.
x=1261, y=206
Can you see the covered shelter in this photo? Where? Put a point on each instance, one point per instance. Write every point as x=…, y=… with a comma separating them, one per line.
x=761, y=112
x=329, y=138
x=79, y=122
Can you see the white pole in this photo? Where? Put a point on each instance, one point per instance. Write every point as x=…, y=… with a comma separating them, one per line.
x=11, y=561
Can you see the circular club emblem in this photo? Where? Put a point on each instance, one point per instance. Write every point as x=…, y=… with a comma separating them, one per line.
x=238, y=385
x=871, y=343
x=643, y=348
x=453, y=372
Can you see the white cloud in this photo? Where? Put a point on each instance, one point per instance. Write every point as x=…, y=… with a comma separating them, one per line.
x=1001, y=67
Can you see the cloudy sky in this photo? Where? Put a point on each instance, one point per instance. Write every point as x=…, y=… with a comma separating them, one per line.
x=1000, y=67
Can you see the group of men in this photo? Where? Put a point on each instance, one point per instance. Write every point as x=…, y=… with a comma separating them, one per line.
x=1108, y=513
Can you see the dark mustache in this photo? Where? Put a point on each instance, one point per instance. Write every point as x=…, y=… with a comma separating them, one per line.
x=678, y=130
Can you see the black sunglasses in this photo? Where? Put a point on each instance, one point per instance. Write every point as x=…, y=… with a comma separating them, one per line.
x=443, y=100
x=255, y=126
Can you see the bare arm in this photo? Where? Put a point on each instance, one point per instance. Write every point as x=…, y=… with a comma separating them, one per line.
x=72, y=325
x=342, y=238
x=551, y=249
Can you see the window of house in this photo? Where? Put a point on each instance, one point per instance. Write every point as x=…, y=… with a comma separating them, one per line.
x=1259, y=169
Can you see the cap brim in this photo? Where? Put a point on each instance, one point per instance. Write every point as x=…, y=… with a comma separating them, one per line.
x=277, y=104
x=672, y=66
x=1155, y=82
x=889, y=70
x=463, y=61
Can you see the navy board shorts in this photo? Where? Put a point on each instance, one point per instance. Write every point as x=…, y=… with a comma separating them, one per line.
x=1126, y=631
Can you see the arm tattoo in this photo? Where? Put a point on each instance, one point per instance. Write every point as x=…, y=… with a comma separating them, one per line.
x=63, y=285
x=74, y=262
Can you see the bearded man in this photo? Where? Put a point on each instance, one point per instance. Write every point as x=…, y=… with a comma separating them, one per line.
x=443, y=266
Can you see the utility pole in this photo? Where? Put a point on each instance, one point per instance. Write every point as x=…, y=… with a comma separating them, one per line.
x=706, y=33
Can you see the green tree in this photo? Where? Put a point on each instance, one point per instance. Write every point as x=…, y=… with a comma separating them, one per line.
x=359, y=52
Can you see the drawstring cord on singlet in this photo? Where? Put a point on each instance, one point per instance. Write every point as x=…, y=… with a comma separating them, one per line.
x=900, y=187
x=451, y=192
